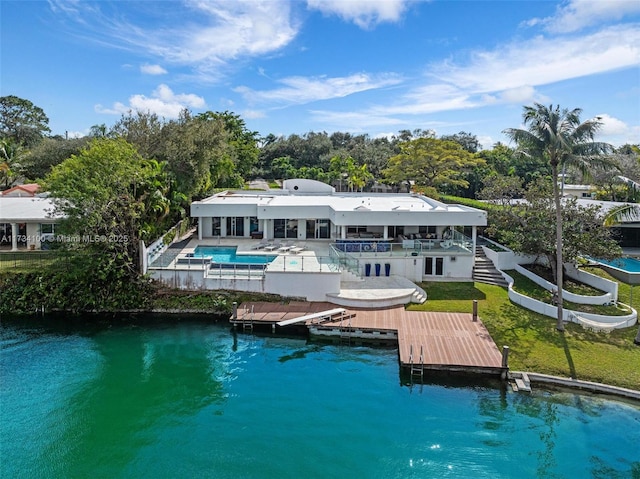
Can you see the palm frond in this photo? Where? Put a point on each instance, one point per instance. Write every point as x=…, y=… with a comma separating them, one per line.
x=621, y=214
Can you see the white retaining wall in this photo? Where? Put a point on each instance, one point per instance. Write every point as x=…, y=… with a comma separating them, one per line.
x=567, y=314
x=574, y=298
x=312, y=285
x=507, y=259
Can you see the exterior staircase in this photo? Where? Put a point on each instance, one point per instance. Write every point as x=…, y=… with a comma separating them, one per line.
x=484, y=271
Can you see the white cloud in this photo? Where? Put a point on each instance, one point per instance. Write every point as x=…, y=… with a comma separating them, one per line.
x=542, y=61
x=152, y=69
x=253, y=114
x=298, y=90
x=364, y=13
x=617, y=132
x=486, y=142
x=507, y=75
x=612, y=126
x=163, y=102
x=206, y=36
x=76, y=134
x=575, y=15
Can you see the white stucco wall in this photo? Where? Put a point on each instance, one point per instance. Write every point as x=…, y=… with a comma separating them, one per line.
x=313, y=286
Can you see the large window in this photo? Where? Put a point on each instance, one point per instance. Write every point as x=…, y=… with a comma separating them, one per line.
x=395, y=231
x=215, y=226
x=285, y=228
x=427, y=230
x=318, y=229
x=235, y=226
x=254, y=224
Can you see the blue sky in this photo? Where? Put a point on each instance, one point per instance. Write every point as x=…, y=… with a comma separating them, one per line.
x=360, y=66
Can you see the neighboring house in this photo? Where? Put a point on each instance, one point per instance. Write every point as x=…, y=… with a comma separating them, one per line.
x=25, y=221
x=578, y=191
x=19, y=191
x=628, y=231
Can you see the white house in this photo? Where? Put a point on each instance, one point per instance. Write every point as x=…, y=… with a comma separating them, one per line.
x=307, y=209
x=26, y=221
x=307, y=240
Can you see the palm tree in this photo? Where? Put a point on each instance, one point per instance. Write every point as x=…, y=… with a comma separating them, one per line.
x=11, y=162
x=559, y=138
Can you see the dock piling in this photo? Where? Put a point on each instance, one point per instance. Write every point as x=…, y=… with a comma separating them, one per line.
x=475, y=310
x=505, y=356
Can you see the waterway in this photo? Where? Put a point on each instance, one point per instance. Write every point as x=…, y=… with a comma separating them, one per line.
x=190, y=399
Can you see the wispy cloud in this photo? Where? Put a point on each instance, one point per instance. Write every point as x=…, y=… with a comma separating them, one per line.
x=299, y=90
x=152, y=69
x=542, y=60
x=163, y=102
x=364, y=13
x=575, y=15
x=355, y=121
x=206, y=36
x=508, y=74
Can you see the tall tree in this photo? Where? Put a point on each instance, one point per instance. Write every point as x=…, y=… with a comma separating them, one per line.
x=468, y=141
x=143, y=130
x=558, y=137
x=22, y=121
x=431, y=162
x=528, y=227
x=110, y=198
x=243, y=151
x=49, y=153
x=197, y=152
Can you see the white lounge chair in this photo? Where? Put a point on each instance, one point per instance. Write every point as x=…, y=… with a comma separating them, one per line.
x=285, y=247
x=297, y=249
x=273, y=246
x=261, y=245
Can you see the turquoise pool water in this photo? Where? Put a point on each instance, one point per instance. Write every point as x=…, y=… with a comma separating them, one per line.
x=228, y=255
x=630, y=265
x=186, y=399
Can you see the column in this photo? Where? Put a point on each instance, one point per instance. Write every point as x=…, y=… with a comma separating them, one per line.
x=385, y=232
x=200, y=227
x=14, y=236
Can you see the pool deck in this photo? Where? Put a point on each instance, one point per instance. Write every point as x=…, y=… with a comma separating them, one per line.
x=427, y=341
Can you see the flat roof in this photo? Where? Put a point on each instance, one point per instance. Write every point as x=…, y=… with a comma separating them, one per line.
x=380, y=202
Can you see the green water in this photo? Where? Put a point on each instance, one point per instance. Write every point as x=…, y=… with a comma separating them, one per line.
x=190, y=400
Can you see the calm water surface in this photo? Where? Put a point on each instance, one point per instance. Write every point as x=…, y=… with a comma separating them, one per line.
x=190, y=400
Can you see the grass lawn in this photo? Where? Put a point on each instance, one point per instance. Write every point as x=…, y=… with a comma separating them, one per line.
x=534, y=343
x=26, y=261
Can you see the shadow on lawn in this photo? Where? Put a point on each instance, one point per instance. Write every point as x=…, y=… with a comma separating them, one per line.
x=567, y=353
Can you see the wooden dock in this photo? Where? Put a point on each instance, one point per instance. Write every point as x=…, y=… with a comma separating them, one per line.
x=426, y=340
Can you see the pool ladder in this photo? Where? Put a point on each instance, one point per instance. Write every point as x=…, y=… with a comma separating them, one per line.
x=416, y=369
x=247, y=322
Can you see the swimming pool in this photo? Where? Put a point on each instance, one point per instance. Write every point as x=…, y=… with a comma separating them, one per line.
x=623, y=269
x=225, y=254
x=630, y=265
